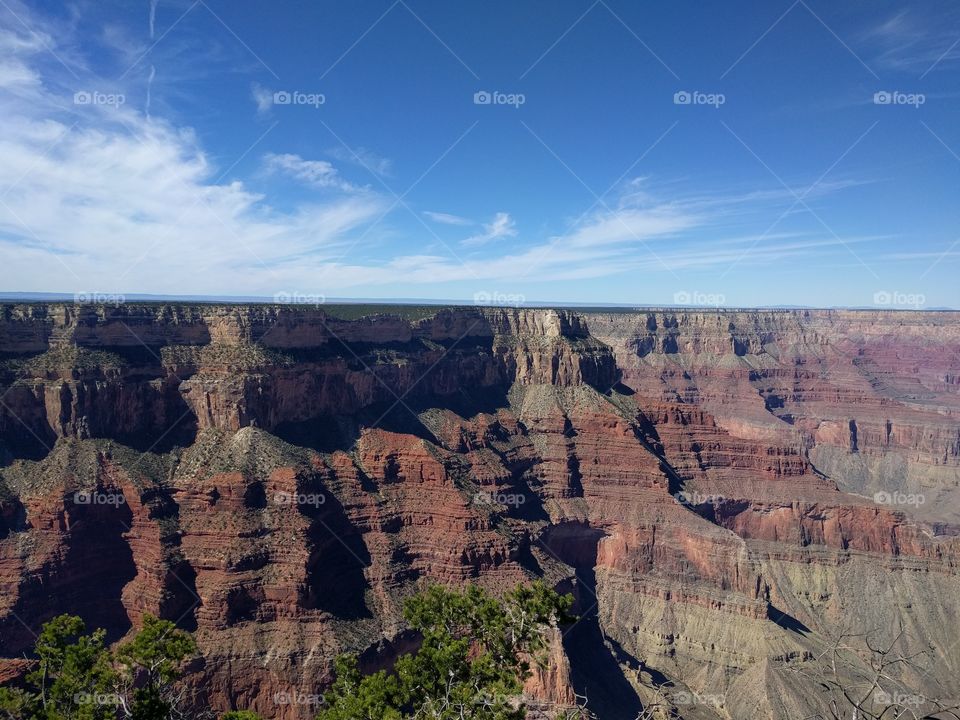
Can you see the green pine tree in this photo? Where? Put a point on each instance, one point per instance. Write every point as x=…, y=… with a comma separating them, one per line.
x=475, y=654
x=78, y=678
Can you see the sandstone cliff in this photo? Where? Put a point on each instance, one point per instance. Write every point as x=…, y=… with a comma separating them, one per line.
x=724, y=492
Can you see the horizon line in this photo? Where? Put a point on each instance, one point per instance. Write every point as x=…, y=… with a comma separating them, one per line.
x=305, y=300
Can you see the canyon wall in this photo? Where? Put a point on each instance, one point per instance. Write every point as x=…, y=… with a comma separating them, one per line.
x=724, y=492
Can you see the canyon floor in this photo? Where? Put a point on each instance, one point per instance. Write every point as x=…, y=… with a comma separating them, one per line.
x=731, y=496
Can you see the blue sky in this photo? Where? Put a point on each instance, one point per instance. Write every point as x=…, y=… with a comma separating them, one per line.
x=743, y=153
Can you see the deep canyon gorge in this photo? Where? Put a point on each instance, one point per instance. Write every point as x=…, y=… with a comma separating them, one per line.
x=726, y=493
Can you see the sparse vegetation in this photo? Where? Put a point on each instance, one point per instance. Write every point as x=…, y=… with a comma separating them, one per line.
x=77, y=677
x=475, y=654
x=406, y=312
x=240, y=356
x=65, y=357
x=867, y=678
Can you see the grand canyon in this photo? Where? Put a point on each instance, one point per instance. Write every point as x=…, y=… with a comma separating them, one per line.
x=727, y=494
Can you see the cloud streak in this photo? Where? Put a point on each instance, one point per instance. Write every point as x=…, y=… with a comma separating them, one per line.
x=104, y=197
x=362, y=157
x=315, y=173
x=446, y=218
x=908, y=42
x=502, y=226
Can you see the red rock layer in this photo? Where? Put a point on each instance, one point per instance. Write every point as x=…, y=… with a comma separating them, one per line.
x=689, y=474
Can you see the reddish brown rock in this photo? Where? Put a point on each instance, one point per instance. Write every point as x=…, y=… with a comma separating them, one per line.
x=722, y=491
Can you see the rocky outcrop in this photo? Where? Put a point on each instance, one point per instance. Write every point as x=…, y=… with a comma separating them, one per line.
x=723, y=492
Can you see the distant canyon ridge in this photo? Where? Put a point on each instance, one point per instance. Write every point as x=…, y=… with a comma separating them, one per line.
x=727, y=494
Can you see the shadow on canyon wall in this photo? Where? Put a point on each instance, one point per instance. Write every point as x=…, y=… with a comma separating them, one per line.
x=89, y=581
x=595, y=672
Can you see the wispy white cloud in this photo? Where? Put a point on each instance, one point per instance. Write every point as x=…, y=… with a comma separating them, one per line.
x=316, y=173
x=446, y=218
x=150, y=79
x=502, y=226
x=104, y=197
x=153, y=17
x=563, y=263
x=15, y=49
x=262, y=97
x=362, y=157
x=931, y=255
x=913, y=42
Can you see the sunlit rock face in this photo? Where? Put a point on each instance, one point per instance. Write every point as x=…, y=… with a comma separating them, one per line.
x=723, y=492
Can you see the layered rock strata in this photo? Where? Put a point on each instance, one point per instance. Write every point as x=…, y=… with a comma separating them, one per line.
x=724, y=492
